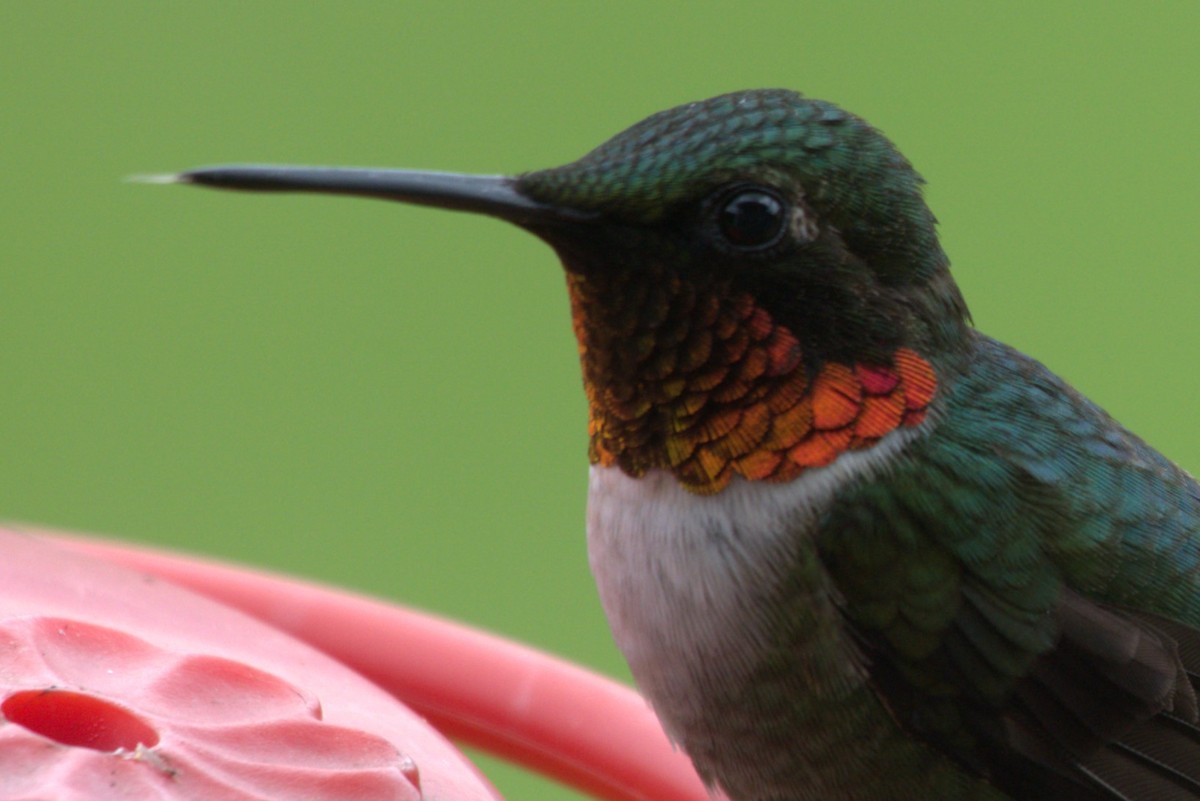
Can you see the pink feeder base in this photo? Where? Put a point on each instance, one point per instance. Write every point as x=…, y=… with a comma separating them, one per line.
x=115, y=684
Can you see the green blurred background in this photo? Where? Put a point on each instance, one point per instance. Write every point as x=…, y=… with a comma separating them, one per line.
x=387, y=398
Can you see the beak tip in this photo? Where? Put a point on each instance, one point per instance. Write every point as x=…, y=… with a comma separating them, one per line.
x=159, y=178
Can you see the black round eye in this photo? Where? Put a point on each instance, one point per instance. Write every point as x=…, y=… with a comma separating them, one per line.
x=751, y=218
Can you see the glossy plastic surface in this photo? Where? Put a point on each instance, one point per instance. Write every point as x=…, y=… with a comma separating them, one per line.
x=553, y=717
x=115, y=684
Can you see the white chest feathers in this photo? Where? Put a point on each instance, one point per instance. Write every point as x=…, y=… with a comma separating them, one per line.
x=690, y=583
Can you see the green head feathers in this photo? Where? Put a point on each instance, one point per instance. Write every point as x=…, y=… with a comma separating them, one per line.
x=848, y=172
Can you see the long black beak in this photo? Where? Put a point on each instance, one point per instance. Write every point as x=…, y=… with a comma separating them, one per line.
x=495, y=195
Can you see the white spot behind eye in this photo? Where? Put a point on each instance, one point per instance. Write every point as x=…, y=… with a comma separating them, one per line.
x=803, y=224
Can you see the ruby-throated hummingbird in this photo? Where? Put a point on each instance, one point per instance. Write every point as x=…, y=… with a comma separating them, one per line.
x=850, y=547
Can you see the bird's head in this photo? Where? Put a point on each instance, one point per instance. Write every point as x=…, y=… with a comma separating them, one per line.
x=756, y=282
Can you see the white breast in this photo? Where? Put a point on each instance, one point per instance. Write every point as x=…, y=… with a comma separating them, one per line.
x=687, y=581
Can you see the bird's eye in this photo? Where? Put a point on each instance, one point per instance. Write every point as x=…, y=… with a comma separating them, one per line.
x=751, y=218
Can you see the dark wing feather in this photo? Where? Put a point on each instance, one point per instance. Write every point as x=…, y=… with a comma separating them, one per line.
x=1107, y=714
x=1113, y=706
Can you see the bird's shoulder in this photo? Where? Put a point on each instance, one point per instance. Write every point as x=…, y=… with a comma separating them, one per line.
x=1024, y=579
x=1112, y=513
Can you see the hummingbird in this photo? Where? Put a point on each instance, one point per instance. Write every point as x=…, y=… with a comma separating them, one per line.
x=852, y=548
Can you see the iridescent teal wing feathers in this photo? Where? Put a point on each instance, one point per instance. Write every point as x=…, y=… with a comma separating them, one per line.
x=1026, y=584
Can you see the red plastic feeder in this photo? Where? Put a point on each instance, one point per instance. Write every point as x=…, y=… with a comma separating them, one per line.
x=115, y=683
